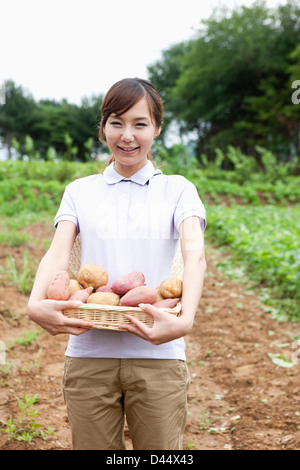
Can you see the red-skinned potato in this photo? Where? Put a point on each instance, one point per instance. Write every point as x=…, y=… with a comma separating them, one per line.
x=139, y=295
x=82, y=294
x=128, y=282
x=166, y=303
x=59, y=288
x=105, y=289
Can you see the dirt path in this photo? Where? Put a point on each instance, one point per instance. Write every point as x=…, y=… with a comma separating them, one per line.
x=238, y=399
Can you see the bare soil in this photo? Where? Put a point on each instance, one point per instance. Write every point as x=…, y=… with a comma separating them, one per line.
x=238, y=398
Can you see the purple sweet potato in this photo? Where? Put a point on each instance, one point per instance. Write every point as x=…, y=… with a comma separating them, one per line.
x=138, y=295
x=128, y=282
x=59, y=288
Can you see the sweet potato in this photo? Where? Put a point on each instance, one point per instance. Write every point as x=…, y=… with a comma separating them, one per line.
x=74, y=286
x=92, y=275
x=166, y=303
x=105, y=289
x=104, y=298
x=138, y=295
x=59, y=288
x=125, y=283
x=171, y=288
x=82, y=294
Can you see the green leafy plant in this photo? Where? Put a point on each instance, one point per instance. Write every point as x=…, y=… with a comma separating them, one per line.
x=27, y=338
x=265, y=240
x=24, y=427
x=23, y=278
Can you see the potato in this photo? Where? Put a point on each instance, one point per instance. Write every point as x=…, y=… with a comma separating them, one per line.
x=92, y=275
x=166, y=303
x=138, y=295
x=59, y=288
x=82, y=294
x=125, y=283
x=170, y=288
x=104, y=298
x=159, y=297
x=74, y=286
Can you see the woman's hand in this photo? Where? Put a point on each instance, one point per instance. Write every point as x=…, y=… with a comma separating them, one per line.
x=49, y=315
x=166, y=327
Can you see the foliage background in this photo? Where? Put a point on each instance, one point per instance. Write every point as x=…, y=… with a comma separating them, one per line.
x=230, y=85
x=232, y=104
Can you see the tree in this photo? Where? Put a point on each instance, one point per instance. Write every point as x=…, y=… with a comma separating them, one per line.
x=273, y=108
x=164, y=74
x=50, y=124
x=17, y=115
x=232, y=85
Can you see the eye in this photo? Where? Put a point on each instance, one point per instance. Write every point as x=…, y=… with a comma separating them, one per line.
x=116, y=123
x=141, y=124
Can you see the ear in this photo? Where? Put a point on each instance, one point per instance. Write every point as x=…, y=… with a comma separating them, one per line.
x=157, y=131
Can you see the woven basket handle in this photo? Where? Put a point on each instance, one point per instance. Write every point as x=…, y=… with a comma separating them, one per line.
x=75, y=260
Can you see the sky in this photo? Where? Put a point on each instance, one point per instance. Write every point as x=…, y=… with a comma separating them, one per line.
x=78, y=48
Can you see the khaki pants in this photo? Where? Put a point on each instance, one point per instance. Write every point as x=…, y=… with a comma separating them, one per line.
x=152, y=393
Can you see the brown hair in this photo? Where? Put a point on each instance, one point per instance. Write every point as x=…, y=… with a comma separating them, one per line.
x=126, y=93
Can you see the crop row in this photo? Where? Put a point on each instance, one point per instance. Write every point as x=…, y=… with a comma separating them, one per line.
x=20, y=194
x=253, y=192
x=266, y=240
x=62, y=171
x=212, y=186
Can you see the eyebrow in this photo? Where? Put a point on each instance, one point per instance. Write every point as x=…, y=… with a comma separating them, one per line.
x=118, y=116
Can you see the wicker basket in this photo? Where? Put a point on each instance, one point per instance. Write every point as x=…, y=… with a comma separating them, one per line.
x=109, y=317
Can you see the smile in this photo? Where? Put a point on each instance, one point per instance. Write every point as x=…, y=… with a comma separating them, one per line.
x=128, y=149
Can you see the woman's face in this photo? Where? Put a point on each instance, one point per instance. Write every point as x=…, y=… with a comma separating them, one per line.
x=130, y=136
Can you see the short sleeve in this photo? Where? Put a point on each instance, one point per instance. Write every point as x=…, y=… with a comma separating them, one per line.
x=67, y=209
x=189, y=204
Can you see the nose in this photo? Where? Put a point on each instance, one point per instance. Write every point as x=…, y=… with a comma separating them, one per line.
x=127, y=135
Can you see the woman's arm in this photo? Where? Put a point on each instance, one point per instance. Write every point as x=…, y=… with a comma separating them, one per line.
x=193, y=255
x=167, y=327
x=48, y=313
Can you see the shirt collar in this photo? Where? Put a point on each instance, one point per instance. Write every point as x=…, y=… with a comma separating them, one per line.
x=141, y=177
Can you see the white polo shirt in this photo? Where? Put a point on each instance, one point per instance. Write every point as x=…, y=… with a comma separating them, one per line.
x=129, y=224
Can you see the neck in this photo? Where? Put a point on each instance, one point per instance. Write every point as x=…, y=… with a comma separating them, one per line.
x=128, y=170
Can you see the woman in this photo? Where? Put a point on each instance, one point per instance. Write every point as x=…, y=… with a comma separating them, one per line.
x=130, y=219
